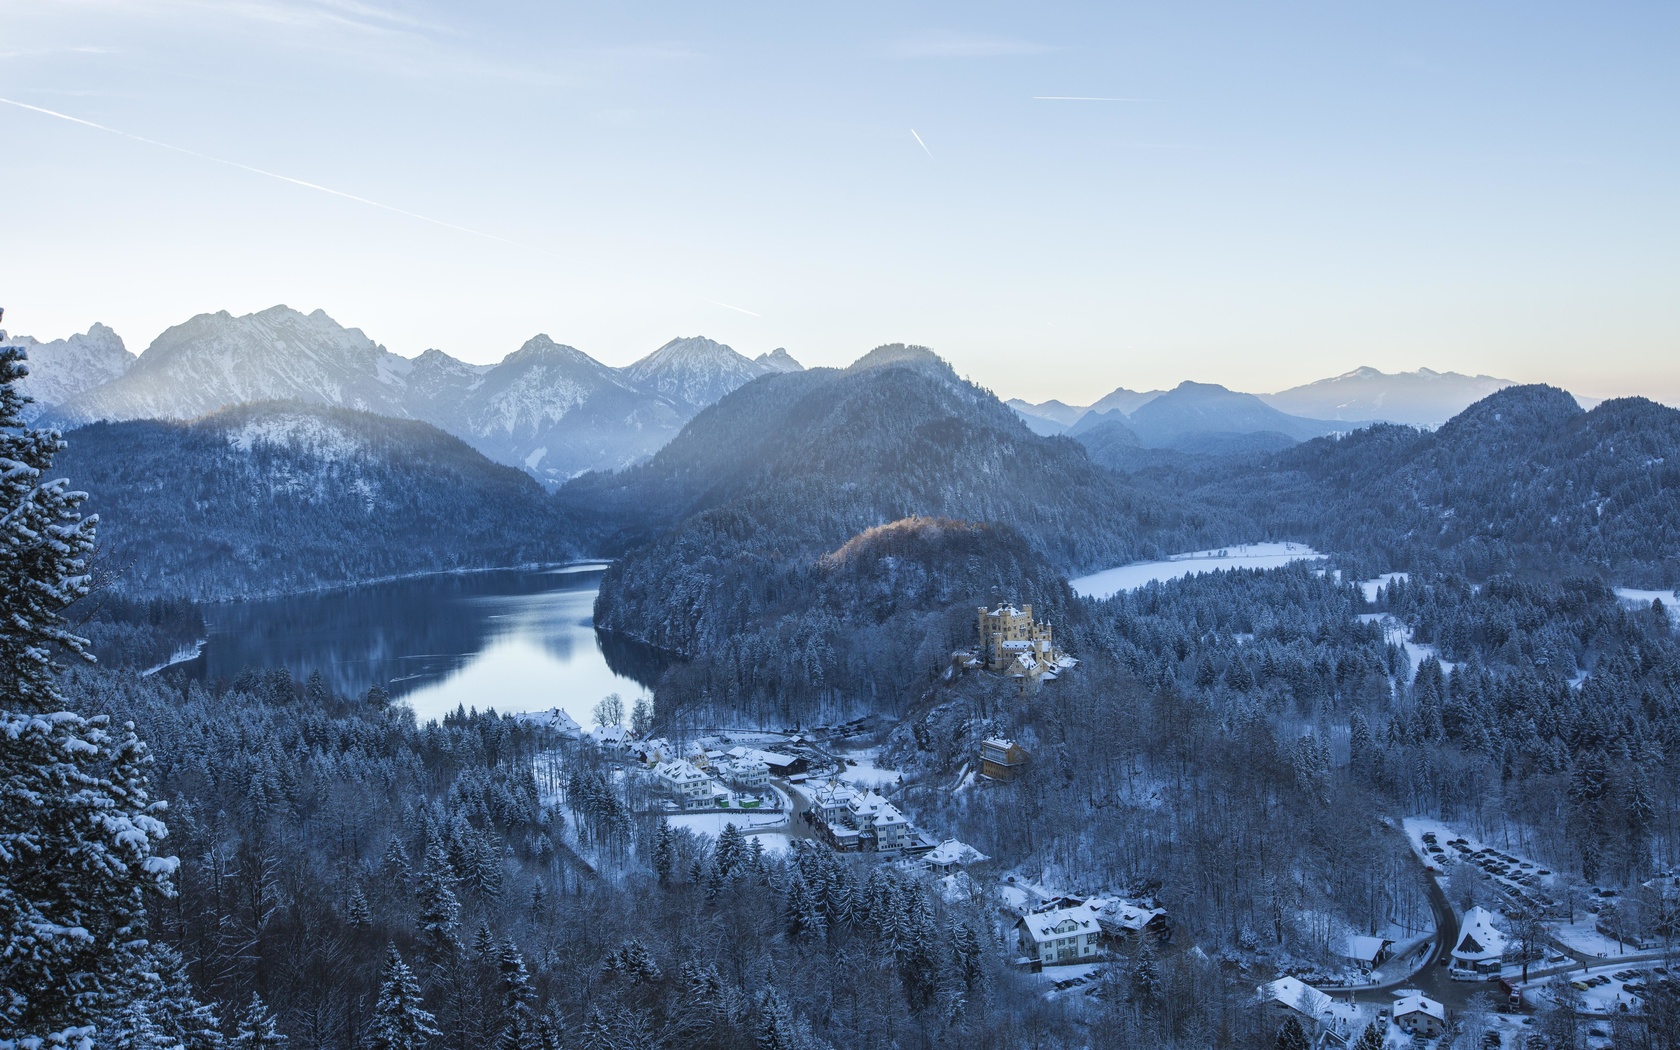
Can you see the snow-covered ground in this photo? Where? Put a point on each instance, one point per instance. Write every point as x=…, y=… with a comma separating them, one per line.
x=1634, y=598
x=1109, y=582
x=1399, y=634
x=865, y=773
x=1583, y=936
x=1371, y=587
x=713, y=823
x=186, y=654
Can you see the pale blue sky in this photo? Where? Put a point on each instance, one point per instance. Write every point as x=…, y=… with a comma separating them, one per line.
x=1304, y=188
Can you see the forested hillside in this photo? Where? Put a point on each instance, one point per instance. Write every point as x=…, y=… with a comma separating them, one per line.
x=758, y=580
x=1522, y=481
x=272, y=498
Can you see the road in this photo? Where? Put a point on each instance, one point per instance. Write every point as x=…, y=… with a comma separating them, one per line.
x=1435, y=981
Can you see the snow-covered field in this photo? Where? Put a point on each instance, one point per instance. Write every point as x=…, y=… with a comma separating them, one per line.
x=866, y=774
x=1583, y=936
x=1634, y=598
x=1109, y=582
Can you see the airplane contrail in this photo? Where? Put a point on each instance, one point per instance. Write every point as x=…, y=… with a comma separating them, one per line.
x=922, y=144
x=1083, y=98
x=269, y=174
x=327, y=190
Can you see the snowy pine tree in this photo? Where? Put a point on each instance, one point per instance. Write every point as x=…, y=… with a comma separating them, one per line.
x=174, y=1008
x=259, y=1029
x=1371, y=1038
x=77, y=825
x=1292, y=1036
x=400, y=1019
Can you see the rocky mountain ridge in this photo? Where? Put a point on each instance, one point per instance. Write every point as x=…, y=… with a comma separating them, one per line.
x=547, y=408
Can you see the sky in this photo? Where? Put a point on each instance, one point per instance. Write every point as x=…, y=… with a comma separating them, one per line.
x=1282, y=192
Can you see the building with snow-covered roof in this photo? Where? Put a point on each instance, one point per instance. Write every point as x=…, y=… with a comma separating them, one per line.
x=951, y=855
x=691, y=787
x=1296, y=998
x=1481, y=944
x=744, y=772
x=891, y=828
x=1067, y=934
x=780, y=765
x=1123, y=919
x=1368, y=952
x=1001, y=759
x=1417, y=1014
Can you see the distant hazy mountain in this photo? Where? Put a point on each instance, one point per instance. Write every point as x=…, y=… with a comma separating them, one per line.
x=280, y=497
x=547, y=408
x=1127, y=401
x=1208, y=417
x=1046, y=417
x=63, y=368
x=1421, y=398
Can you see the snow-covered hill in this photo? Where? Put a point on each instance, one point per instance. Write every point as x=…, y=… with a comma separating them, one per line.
x=63, y=368
x=547, y=408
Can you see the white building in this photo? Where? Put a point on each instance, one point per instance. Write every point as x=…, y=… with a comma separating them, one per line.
x=891, y=828
x=951, y=855
x=691, y=787
x=1292, y=996
x=745, y=772
x=1418, y=1014
x=1060, y=935
x=1481, y=944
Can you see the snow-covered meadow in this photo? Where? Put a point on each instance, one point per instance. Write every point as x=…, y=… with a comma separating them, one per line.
x=1109, y=582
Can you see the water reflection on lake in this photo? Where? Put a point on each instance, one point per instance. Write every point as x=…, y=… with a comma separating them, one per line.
x=514, y=640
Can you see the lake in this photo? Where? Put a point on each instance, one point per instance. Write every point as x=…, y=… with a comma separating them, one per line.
x=514, y=640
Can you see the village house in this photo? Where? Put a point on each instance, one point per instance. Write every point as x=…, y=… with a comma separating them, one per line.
x=780, y=765
x=951, y=856
x=1481, y=946
x=1123, y=921
x=692, y=788
x=849, y=820
x=1417, y=1014
x=1059, y=934
x=1001, y=759
x=1367, y=952
x=748, y=773
x=1292, y=997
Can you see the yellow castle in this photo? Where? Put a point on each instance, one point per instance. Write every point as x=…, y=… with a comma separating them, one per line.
x=1012, y=644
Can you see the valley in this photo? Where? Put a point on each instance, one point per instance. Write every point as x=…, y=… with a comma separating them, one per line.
x=759, y=757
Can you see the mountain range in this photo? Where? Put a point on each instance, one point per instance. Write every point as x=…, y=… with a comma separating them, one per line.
x=1204, y=417
x=63, y=368
x=547, y=408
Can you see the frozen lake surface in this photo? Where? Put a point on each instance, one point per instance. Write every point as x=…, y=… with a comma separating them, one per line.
x=1109, y=582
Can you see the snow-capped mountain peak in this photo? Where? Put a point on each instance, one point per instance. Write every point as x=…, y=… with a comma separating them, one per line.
x=63, y=368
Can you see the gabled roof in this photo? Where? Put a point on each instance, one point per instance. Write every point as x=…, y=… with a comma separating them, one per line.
x=1060, y=922
x=1297, y=995
x=1365, y=949
x=1479, y=940
x=681, y=773
x=1126, y=916
x=952, y=851
x=1418, y=1003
